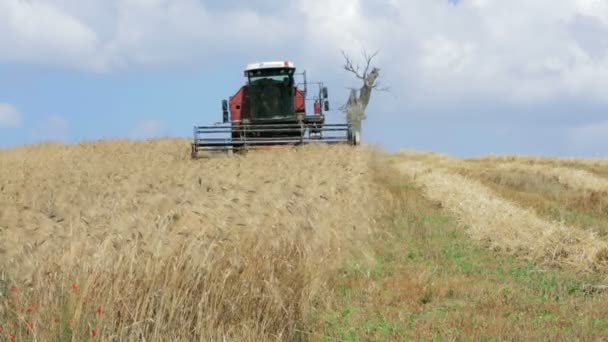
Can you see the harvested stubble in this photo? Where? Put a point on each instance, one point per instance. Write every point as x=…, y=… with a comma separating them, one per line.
x=236, y=247
x=504, y=226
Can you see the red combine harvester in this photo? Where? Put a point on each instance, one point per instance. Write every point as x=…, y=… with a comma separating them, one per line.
x=270, y=110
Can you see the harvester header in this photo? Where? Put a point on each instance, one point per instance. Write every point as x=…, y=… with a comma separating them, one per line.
x=270, y=110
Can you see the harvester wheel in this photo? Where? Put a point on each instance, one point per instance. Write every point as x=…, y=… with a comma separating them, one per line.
x=193, y=152
x=355, y=138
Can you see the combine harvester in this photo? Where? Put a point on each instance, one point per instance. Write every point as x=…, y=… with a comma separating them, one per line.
x=270, y=111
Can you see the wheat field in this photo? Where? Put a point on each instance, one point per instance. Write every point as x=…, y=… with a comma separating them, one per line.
x=133, y=241
x=169, y=248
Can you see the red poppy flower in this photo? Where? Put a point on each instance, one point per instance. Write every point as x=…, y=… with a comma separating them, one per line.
x=13, y=289
x=94, y=333
x=99, y=311
x=11, y=337
x=75, y=286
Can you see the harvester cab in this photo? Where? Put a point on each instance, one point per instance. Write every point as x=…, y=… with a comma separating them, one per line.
x=270, y=110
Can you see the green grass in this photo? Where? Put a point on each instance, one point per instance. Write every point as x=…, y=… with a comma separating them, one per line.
x=427, y=280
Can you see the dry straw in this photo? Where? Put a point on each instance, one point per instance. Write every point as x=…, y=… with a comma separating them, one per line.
x=566, y=162
x=226, y=247
x=569, y=174
x=504, y=226
x=571, y=177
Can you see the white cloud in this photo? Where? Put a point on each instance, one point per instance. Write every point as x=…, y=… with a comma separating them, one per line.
x=113, y=35
x=36, y=31
x=441, y=54
x=9, y=116
x=149, y=129
x=519, y=50
x=593, y=8
x=51, y=128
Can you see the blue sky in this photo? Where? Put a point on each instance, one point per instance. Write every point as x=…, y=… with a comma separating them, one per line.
x=467, y=77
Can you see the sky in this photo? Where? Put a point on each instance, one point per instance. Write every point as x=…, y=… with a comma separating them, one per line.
x=466, y=77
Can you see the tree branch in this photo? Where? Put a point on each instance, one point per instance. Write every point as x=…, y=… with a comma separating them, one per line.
x=377, y=87
x=359, y=98
x=350, y=67
x=368, y=61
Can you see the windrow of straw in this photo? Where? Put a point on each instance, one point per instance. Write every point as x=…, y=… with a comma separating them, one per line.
x=588, y=163
x=573, y=178
x=137, y=241
x=505, y=226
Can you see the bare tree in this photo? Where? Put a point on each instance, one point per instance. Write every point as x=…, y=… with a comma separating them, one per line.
x=359, y=98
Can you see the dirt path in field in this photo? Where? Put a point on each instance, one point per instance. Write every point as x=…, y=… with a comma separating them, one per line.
x=506, y=226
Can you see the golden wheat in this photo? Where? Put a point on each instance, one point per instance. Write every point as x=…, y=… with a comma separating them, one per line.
x=502, y=225
x=236, y=247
